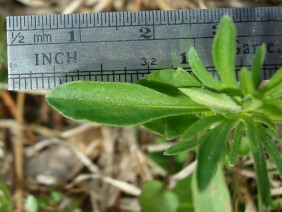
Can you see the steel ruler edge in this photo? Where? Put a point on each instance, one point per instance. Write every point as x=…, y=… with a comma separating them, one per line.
x=47, y=50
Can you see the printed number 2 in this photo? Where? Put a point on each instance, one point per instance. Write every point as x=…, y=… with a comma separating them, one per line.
x=145, y=33
x=72, y=36
x=151, y=61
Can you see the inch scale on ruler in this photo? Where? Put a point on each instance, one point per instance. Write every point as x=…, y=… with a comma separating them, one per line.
x=47, y=50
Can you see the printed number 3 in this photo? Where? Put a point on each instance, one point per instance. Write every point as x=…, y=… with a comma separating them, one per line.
x=152, y=62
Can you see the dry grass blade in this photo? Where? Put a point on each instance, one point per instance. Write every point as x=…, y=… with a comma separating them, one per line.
x=123, y=186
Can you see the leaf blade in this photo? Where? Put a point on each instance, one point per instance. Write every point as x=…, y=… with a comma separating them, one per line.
x=274, y=85
x=258, y=63
x=223, y=51
x=207, y=200
x=238, y=135
x=171, y=127
x=210, y=152
x=216, y=102
x=274, y=154
x=201, y=72
x=246, y=82
x=259, y=160
x=181, y=147
x=101, y=102
x=201, y=125
x=177, y=78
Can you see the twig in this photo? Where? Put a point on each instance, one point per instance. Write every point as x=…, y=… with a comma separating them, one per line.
x=10, y=103
x=72, y=7
x=159, y=147
x=84, y=159
x=123, y=186
x=276, y=191
x=18, y=154
x=182, y=174
x=78, y=130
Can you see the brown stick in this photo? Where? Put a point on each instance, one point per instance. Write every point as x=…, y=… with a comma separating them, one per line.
x=10, y=103
x=18, y=154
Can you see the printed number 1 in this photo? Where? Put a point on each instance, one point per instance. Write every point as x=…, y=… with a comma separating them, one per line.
x=183, y=58
x=72, y=35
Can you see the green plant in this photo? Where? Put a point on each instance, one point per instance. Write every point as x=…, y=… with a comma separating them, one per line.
x=3, y=52
x=50, y=202
x=5, y=198
x=214, y=115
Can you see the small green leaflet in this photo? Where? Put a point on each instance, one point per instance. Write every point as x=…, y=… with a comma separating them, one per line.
x=210, y=152
x=255, y=135
x=223, y=51
x=258, y=63
x=201, y=72
x=216, y=102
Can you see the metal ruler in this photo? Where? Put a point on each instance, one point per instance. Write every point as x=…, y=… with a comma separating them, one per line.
x=47, y=50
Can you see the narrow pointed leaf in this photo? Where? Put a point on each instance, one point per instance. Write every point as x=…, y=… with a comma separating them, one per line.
x=182, y=147
x=116, y=103
x=217, y=102
x=171, y=127
x=255, y=137
x=235, y=147
x=5, y=198
x=177, y=78
x=201, y=72
x=210, y=152
x=274, y=84
x=261, y=118
x=199, y=126
x=274, y=135
x=274, y=153
x=246, y=82
x=223, y=51
x=273, y=111
x=258, y=63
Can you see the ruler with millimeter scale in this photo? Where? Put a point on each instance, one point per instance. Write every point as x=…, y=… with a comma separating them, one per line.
x=48, y=50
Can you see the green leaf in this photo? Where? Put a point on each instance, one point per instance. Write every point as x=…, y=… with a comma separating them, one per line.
x=274, y=85
x=215, y=198
x=210, y=152
x=116, y=103
x=261, y=118
x=244, y=147
x=5, y=198
x=216, y=102
x=32, y=203
x=235, y=147
x=273, y=152
x=171, y=127
x=223, y=51
x=255, y=137
x=199, y=126
x=176, y=78
x=246, y=82
x=156, y=198
x=258, y=63
x=201, y=72
x=274, y=135
x=184, y=192
x=182, y=147
x=56, y=196
x=273, y=111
